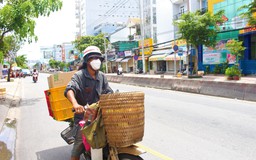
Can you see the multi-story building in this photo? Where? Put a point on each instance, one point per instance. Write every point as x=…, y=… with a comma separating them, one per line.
x=62, y=52
x=233, y=27
x=163, y=60
x=95, y=15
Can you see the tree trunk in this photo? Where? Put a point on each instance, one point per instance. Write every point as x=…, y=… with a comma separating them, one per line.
x=196, y=60
x=9, y=72
x=1, y=70
x=187, y=68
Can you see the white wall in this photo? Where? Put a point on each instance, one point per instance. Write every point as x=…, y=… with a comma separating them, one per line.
x=112, y=11
x=164, y=21
x=121, y=35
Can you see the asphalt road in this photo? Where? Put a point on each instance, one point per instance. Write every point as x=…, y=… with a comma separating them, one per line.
x=179, y=126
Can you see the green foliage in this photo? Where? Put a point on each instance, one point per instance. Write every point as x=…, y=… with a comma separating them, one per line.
x=1, y=57
x=52, y=63
x=85, y=41
x=220, y=68
x=21, y=61
x=103, y=68
x=207, y=69
x=248, y=11
x=233, y=71
x=62, y=65
x=224, y=66
x=217, y=69
x=18, y=18
x=235, y=47
x=199, y=29
x=58, y=64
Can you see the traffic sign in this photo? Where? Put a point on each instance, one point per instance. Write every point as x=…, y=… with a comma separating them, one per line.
x=180, y=53
x=175, y=48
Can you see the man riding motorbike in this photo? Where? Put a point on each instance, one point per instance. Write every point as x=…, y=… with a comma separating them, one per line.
x=85, y=87
x=35, y=75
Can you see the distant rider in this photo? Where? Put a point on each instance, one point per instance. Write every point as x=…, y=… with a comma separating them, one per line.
x=35, y=74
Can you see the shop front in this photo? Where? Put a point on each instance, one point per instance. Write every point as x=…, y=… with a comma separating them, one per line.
x=127, y=64
x=157, y=64
x=171, y=60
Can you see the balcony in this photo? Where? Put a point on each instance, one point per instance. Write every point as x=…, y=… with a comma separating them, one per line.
x=177, y=16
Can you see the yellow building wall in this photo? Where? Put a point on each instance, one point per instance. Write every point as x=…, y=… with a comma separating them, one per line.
x=211, y=4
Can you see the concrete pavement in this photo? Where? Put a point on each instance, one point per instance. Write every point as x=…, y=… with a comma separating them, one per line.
x=11, y=99
x=8, y=116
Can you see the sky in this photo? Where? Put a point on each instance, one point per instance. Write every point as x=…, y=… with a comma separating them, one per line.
x=58, y=28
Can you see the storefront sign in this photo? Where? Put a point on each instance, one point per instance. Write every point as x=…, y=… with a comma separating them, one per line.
x=148, y=46
x=127, y=53
x=247, y=30
x=211, y=58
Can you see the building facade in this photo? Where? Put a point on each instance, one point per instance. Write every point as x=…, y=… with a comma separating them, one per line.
x=104, y=15
x=234, y=27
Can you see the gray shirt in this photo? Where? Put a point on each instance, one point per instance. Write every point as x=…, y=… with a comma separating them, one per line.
x=87, y=89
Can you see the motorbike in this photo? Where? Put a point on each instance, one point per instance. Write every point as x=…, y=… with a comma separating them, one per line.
x=35, y=77
x=132, y=152
x=124, y=150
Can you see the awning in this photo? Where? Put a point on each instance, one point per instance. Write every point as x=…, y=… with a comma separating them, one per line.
x=119, y=59
x=159, y=57
x=164, y=51
x=126, y=59
x=111, y=59
x=171, y=57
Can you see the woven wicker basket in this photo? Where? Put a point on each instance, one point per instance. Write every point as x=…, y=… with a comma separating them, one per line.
x=123, y=117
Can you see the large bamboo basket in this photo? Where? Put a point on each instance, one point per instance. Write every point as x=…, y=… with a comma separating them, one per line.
x=123, y=117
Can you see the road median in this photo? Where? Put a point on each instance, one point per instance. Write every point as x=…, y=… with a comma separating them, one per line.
x=228, y=89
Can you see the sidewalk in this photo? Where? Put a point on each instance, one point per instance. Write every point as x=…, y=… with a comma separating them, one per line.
x=11, y=99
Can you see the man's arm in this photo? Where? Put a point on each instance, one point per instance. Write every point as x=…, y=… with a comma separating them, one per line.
x=71, y=97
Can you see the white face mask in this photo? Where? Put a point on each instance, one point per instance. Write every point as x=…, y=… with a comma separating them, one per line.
x=95, y=64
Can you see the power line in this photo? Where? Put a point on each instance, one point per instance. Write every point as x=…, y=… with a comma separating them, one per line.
x=112, y=10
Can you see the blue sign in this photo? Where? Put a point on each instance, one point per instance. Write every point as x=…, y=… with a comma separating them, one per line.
x=175, y=48
x=180, y=53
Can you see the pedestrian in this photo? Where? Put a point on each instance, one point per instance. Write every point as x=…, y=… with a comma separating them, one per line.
x=85, y=87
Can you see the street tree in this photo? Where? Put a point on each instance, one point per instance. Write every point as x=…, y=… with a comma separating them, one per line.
x=18, y=17
x=249, y=12
x=11, y=44
x=52, y=63
x=85, y=41
x=236, y=48
x=199, y=29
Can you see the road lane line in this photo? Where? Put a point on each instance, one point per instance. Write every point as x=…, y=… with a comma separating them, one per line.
x=155, y=153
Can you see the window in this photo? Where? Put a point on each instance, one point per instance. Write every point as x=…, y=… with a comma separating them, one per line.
x=182, y=10
x=154, y=15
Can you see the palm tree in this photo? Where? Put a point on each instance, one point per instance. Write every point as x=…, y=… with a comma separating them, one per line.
x=21, y=61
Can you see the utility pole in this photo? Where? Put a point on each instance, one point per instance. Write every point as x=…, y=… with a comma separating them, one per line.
x=142, y=34
x=106, y=56
x=174, y=43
